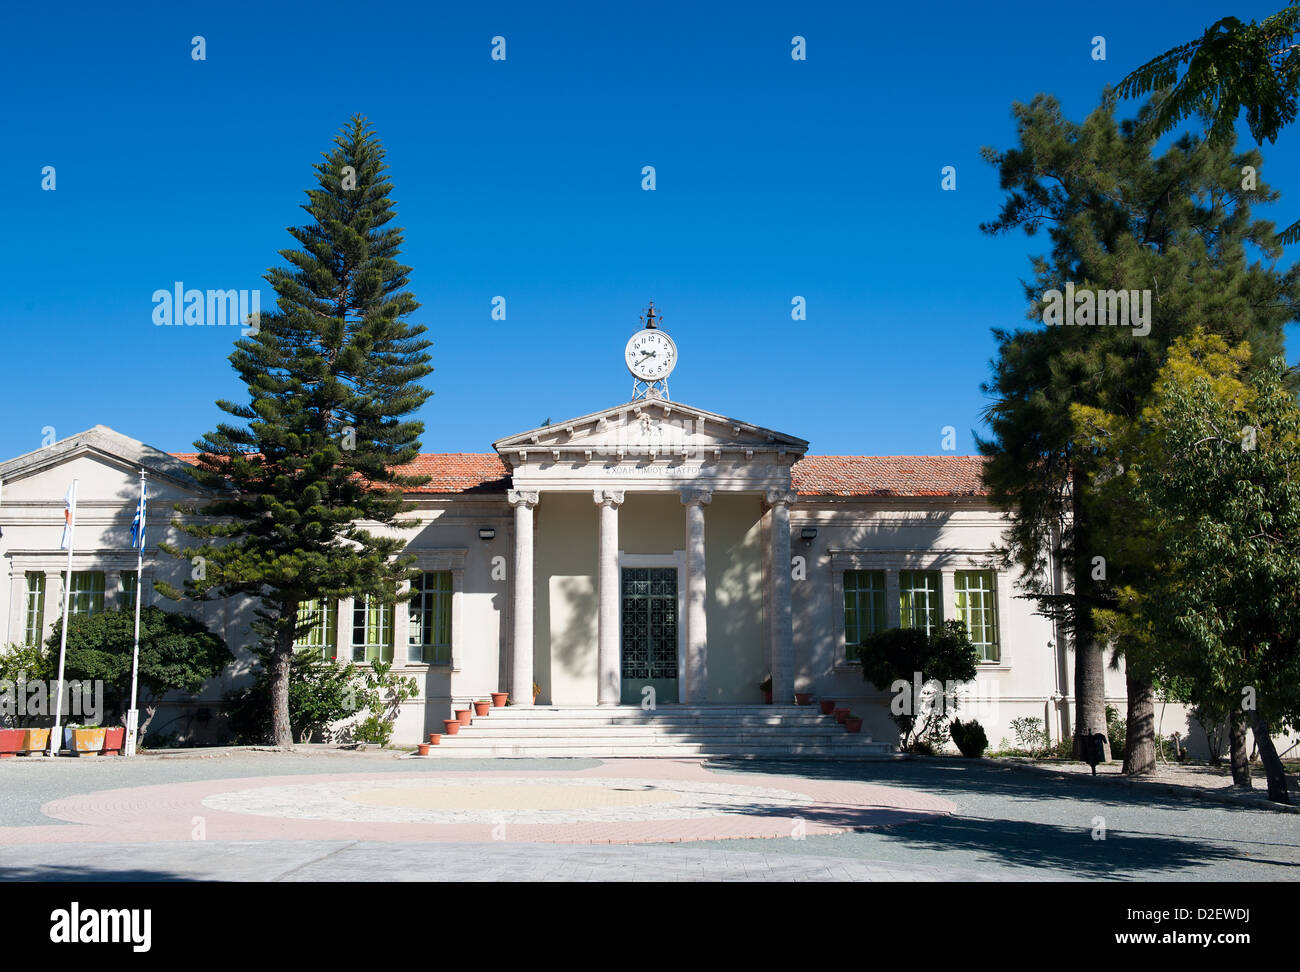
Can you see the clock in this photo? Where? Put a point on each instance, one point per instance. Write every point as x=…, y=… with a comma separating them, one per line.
x=651, y=355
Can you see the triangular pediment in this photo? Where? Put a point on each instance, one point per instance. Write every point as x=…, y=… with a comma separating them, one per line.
x=100, y=448
x=649, y=427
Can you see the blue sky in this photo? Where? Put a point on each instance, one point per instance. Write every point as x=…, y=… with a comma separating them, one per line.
x=522, y=178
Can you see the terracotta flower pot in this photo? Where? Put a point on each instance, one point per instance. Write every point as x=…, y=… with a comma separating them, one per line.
x=853, y=724
x=11, y=742
x=802, y=698
x=451, y=726
x=114, y=740
x=499, y=699
x=36, y=740
x=840, y=715
x=828, y=706
x=435, y=738
x=767, y=698
x=464, y=716
x=422, y=749
x=481, y=708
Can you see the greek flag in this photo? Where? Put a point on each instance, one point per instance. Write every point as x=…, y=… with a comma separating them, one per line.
x=137, y=525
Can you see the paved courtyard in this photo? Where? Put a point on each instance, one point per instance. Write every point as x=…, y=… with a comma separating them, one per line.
x=327, y=815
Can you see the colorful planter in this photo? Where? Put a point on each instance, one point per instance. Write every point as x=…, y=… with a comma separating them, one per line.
x=83, y=741
x=840, y=715
x=11, y=742
x=481, y=708
x=828, y=706
x=114, y=740
x=36, y=740
x=451, y=726
x=499, y=698
x=422, y=749
x=802, y=698
x=435, y=738
x=853, y=724
x=464, y=716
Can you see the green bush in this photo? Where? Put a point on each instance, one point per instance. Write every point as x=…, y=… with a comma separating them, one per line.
x=1031, y=737
x=382, y=695
x=969, y=737
x=1116, y=727
x=320, y=693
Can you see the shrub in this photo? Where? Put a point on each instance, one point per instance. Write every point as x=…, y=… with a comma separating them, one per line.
x=970, y=738
x=894, y=659
x=1115, y=728
x=382, y=695
x=320, y=693
x=177, y=654
x=1030, y=736
x=21, y=662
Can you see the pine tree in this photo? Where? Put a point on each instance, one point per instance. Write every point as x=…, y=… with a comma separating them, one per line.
x=333, y=375
x=1177, y=226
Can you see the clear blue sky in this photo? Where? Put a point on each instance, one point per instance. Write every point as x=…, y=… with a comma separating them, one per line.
x=522, y=179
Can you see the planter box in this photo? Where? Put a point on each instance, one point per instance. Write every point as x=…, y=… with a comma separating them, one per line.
x=11, y=742
x=35, y=740
x=81, y=741
x=114, y=740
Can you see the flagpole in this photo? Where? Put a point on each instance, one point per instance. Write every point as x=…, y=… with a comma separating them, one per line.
x=56, y=735
x=133, y=714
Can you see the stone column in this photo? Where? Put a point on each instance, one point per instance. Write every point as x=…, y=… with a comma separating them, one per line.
x=778, y=502
x=697, y=634
x=521, y=672
x=610, y=682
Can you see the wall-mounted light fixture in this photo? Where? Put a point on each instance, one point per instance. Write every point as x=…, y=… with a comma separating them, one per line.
x=808, y=534
x=486, y=533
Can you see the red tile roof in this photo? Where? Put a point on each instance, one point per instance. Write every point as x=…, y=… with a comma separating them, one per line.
x=483, y=472
x=889, y=476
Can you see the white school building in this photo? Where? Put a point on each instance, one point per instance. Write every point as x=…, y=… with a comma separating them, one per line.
x=651, y=549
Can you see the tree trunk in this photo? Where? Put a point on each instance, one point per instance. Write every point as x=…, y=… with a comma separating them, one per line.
x=281, y=663
x=1140, y=736
x=1238, y=756
x=1089, y=658
x=1273, y=769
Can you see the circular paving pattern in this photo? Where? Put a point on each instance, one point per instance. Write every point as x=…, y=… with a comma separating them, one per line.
x=621, y=801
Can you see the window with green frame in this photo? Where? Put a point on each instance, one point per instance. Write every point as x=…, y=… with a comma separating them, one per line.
x=34, y=627
x=372, y=630
x=86, y=595
x=129, y=582
x=323, y=635
x=919, y=597
x=977, y=605
x=430, y=608
x=864, y=608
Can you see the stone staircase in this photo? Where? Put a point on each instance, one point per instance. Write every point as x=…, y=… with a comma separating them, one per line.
x=759, y=731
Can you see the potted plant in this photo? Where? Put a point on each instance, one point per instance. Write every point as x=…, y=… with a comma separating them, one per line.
x=853, y=724
x=422, y=749
x=828, y=706
x=802, y=698
x=451, y=726
x=481, y=707
x=465, y=716
x=11, y=742
x=840, y=715
x=435, y=738
x=36, y=740
x=499, y=699
x=114, y=740
x=765, y=687
x=537, y=690
x=83, y=739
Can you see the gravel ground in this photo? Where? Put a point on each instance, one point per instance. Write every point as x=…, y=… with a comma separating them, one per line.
x=1013, y=824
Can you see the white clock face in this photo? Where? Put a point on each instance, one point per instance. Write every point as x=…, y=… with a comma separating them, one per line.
x=651, y=355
